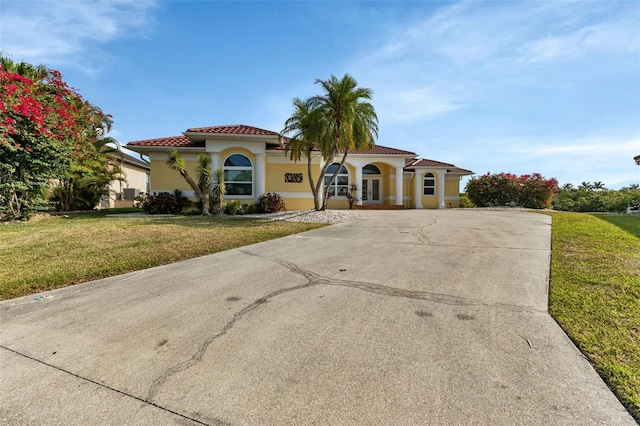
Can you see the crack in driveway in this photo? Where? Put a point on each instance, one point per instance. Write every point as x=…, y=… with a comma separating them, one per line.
x=314, y=279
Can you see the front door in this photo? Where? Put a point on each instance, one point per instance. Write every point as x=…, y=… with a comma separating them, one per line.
x=371, y=191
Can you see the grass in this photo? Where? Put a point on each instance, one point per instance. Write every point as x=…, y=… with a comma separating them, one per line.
x=595, y=295
x=62, y=251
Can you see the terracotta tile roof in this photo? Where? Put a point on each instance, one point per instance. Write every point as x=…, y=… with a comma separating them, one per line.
x=171, y=141
x=423, y=162
x=460, y=171
x=385, y=150
x=377, y=149
x=234, y=129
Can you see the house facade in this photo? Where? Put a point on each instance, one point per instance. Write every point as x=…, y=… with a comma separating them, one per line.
x=136, y=173
x=254, y=162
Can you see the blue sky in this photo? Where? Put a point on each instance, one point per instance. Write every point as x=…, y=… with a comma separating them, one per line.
x=520, y=87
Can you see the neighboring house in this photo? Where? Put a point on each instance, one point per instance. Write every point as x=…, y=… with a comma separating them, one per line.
x=135, y=173
x=254, y=162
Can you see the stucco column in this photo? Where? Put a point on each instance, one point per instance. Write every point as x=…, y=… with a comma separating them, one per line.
x=260, y=177
x=441, y=189
x=215, y=161
x=358, y=182
x=399, y=195
x=417, y=190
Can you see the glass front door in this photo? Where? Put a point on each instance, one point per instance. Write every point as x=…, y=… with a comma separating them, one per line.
x=371, y=191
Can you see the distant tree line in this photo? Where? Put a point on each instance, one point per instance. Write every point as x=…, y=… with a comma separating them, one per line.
x=595, y=197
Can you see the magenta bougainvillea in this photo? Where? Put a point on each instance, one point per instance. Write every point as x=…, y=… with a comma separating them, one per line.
x=43, y=125
x=507, y=189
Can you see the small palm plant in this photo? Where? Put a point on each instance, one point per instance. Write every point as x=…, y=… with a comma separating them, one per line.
x=219, y=189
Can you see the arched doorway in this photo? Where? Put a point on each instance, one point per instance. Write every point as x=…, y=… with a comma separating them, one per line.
x=371, y=184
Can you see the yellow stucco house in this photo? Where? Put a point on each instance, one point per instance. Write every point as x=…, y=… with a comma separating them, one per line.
x=254, y=162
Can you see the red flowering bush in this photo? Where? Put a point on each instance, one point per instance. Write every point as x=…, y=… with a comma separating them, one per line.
x=44, y=124
x=506, y=189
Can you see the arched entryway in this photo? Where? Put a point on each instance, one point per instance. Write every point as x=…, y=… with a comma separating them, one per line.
x=371, y=185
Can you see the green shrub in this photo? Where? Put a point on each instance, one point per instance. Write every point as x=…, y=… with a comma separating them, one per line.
x=232, y=207
x=182, y=201
x=250, y=208
x=270, y=203
x=161, y=203
x=465, y=201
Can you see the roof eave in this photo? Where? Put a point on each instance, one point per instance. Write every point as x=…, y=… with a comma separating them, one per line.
x=148, y=148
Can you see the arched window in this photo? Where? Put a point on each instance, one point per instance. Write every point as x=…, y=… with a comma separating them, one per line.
x=429, y=184
x=238, y=175
x=371, y=169
x=340, y=186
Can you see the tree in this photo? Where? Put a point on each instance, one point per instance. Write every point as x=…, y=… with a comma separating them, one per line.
x=340, y=119
x=44, y=125
x=586, y=186
x=87, y=179
x=302, y=142
x=203, y=187
x=598, y=186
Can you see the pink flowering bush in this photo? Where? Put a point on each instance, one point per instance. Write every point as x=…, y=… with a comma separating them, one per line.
x=506, y=189
x=44, y=125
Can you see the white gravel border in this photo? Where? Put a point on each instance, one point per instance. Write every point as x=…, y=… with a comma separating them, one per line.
x=308, y=216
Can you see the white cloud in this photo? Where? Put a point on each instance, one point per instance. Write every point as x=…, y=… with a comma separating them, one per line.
x=61, y=31
x=409, y=104
x=621, y=36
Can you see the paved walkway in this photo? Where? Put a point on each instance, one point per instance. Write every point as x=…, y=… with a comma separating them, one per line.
x=400, y=317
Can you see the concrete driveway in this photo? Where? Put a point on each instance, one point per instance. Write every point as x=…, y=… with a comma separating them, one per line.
x=401, y=317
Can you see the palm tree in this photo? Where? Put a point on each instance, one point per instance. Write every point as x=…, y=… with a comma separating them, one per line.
x=347, y=120
x=219, y=189
x=39, y=72
x=338, y=120
x=176, y=162
x=598, y=186
x=587, y=186
x=302, y=125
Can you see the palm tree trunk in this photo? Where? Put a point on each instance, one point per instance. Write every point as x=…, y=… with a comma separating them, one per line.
x=333, y=178
x=315, y=189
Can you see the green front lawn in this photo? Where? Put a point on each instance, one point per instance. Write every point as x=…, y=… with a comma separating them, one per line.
x=61, y=251
x=595, y=294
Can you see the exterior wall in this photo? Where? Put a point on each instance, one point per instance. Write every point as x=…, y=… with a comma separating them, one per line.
x=136, y=177
x=296, y=195
x=163, y=179
x=429, y=201
x=452, y=191
x=408, y=191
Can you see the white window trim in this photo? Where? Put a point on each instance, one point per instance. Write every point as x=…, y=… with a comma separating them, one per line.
x=334, y=196
x=240, y=168
x=434, y=187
